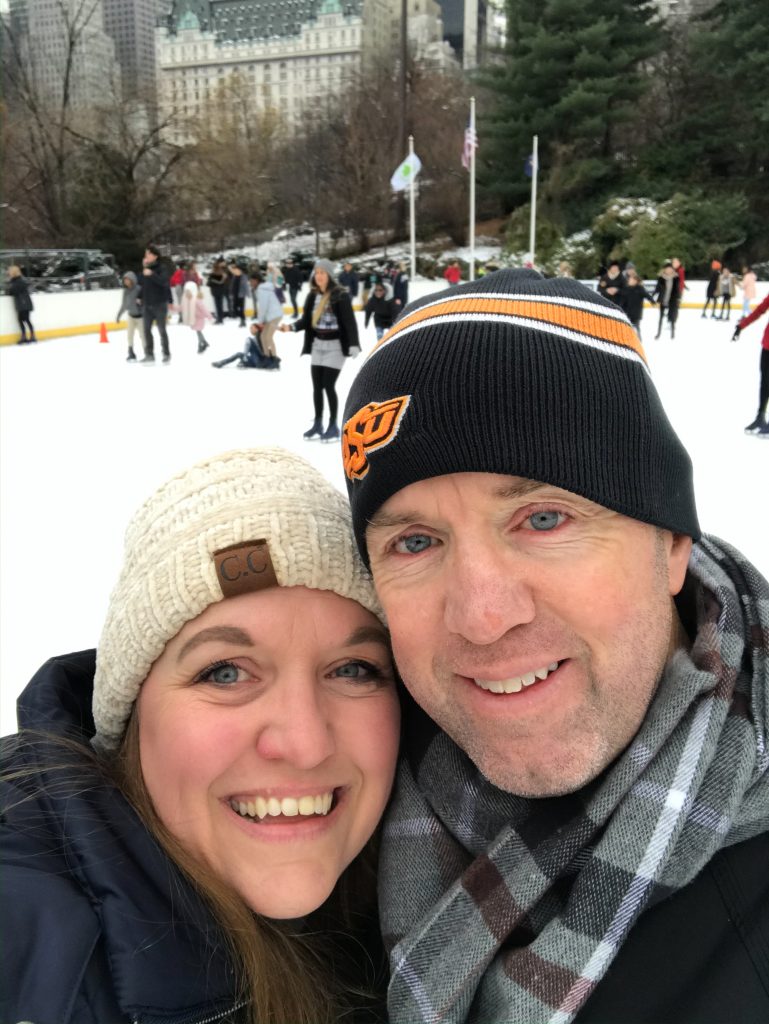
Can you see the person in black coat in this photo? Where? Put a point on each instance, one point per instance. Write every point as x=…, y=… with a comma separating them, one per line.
x=711, y=294
x=611, y=283
x=400, y=286
x=239, y=292
x=18, y=289
x=156, y=295
x=667, y=292
x=217, y=283
x=633, y=296
x=349, y=279
x=292, y=275
x=381, y=308
x=186, y=810
x=330, y=336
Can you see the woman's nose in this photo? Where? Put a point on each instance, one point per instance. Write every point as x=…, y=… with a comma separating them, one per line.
x=296, y=726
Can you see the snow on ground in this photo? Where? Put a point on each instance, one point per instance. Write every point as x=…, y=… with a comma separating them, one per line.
x=85, y=437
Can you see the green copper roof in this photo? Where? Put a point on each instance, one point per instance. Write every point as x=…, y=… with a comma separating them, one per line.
x=188, y=20
x=238, y=20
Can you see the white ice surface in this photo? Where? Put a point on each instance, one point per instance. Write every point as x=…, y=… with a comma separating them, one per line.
x=86, y=437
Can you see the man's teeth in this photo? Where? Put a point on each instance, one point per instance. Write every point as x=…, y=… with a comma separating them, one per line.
x=288, y=807
x=517, y=683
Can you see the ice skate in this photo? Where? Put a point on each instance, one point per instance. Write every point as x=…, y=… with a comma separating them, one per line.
x=315, y=432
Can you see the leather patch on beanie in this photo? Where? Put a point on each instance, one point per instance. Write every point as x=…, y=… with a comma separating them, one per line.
x=372, y=427
x=245, y=567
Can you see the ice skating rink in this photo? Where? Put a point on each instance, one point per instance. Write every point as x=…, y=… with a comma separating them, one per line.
x=85, y=437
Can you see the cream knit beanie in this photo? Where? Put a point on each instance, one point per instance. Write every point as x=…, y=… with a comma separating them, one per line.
x=170, y=575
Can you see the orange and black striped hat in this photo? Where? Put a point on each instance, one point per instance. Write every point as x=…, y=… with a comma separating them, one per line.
x=521, y=375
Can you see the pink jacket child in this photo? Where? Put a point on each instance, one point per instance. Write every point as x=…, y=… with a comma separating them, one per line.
x=194, y=312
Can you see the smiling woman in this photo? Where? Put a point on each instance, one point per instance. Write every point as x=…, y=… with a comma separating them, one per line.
x=200, y=848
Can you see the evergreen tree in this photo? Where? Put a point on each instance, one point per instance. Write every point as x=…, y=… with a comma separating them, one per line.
x=715, y=132
x=572, y=74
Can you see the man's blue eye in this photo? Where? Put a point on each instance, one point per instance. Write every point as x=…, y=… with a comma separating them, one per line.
x=414, y=544
x=546, y=520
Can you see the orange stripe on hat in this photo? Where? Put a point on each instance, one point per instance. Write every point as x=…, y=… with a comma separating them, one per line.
x=604, y=327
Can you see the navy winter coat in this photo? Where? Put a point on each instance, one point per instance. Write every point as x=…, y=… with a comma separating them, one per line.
x=98, y=925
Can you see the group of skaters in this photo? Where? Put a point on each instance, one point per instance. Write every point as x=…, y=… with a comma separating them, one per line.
x=624, y=286
x=150, y=297
x=723, y=284
x=231, y=282
x=328, y=322
x=147, y=299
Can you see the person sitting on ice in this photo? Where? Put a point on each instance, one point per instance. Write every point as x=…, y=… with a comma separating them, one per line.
x=252, y=356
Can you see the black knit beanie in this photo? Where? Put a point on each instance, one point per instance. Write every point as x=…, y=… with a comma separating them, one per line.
x=520, y=375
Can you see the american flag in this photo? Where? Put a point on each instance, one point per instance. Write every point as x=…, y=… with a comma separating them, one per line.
x=471, y=143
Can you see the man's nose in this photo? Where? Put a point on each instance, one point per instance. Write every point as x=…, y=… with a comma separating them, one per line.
x=297, y=726
x=488, y=593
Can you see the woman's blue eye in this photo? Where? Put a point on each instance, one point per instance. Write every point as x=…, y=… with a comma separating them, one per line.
x=355, y=670
x=360, y=672
x=545, y=520
x=414, y=544
x=224, y=673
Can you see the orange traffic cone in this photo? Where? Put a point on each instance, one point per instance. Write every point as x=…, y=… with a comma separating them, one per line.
x=103, y=339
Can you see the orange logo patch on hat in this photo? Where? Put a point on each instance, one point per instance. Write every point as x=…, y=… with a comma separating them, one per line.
x=372, y=427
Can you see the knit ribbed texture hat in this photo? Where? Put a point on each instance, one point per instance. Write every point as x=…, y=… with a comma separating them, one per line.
x=326, y=265
x=519, y=375
x=222, y=505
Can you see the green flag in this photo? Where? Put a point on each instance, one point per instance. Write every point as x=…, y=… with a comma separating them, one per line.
x=406, y=173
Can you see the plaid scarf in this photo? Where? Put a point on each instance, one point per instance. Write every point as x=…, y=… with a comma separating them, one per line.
x=500, y=908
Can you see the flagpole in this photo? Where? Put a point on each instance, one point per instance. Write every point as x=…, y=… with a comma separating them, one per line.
x=412, y=220
x=472, y=189
x=533, y=217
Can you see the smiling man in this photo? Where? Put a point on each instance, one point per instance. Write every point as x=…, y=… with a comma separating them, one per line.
x=584, y=806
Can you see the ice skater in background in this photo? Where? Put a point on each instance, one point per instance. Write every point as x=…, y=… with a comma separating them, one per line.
x=156, y=294
x=668, y=293
x=217, y=285
x=632, y=299
x=176, y=284
x=194, y=312
x=238, y=292
x=727, y=290
x=275, y=276
x=381, y=308
x=330, y=335
x=293, y=278
x=269, y=311
x=759, y=426
x=711, y=295
x=131, y=305
x=18, y=289
x=748, y=286
x=400, y=285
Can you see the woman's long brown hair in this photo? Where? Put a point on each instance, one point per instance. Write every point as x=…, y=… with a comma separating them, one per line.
x=284, y=977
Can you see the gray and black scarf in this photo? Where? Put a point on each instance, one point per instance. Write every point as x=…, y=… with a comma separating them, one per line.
x=497, y=908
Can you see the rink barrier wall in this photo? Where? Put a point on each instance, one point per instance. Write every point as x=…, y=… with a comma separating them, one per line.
x=65, y=314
